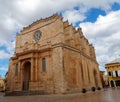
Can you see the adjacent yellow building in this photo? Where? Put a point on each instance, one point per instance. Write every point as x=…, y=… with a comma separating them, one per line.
x=2, y=84
x=113, y=70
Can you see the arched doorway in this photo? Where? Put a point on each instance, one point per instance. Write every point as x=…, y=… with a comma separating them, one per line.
x=26, y=75
x=95, y=78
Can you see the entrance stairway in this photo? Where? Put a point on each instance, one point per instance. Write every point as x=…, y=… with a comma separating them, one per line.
x=25, y=93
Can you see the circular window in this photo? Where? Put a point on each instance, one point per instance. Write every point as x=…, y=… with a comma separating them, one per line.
x=37, y=35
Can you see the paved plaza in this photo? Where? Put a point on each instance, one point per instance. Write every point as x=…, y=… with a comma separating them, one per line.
x=110, y=95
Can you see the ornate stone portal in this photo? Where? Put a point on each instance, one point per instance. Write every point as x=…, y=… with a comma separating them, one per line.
x=52, y=56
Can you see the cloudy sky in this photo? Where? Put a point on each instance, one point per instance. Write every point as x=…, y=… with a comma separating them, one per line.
x=99, y=19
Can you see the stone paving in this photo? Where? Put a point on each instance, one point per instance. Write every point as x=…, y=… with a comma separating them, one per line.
x=110, y=95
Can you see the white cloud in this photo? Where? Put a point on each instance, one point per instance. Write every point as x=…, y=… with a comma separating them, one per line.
x=73, y=16
x=4, y=55
x=3, y=69
x=19, y=13
x=7, y=50
x=15, y=14
x=105, y=36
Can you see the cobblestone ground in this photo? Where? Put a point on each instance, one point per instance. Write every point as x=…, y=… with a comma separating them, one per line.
x=110, y=95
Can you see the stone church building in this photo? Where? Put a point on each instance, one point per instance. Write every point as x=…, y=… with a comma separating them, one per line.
x=52, y=56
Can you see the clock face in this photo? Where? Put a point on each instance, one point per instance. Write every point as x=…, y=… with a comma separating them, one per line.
x=37, y=35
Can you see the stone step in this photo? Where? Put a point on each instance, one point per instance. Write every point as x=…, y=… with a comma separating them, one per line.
x=25, y=93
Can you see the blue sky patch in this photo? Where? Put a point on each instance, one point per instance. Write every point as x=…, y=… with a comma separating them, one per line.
x=115, y=6
x=3, y=63
x=93, y=14
x=76, y=8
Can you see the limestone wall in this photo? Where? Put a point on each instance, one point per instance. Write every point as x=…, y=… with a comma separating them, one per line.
x=70, y=60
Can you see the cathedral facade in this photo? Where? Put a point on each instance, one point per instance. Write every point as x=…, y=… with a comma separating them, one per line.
x=52, y=56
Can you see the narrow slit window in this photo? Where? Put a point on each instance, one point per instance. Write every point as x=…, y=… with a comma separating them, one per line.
x=44, y=64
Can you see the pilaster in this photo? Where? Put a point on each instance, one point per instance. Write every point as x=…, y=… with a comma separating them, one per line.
x=32, y=66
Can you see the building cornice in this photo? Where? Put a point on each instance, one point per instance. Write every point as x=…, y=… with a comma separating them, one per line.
x=30, y=52
x=73, y=49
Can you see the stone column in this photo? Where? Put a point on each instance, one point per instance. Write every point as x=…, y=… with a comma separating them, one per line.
x=109, y=83
x=32, y=66
x=88, y=73
x=114, y=84
x=36, y=67
x=78, y=74
x=111, y=74
x=91, y=74
x=92, y=77
x=19, y=71
x=82, y=71
x=82, y=76
x=20, y=74
x=98, y=79
x=59, y=83
x=85, y=76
